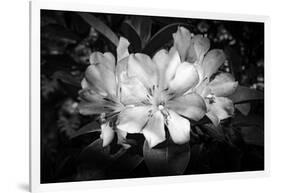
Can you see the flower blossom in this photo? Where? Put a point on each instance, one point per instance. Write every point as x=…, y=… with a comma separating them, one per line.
x=99, y=94
x=213, y=86
x=157, y=93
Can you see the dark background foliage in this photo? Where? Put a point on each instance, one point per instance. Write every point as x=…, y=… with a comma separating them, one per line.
x=67, y=39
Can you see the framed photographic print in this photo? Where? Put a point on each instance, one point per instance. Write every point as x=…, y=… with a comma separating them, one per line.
x=122, y=96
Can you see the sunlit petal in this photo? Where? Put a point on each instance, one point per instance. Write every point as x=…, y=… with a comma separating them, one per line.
x=107, y=134
x=121, y=72
x=213, y=117
x=190, y=105
x=212, y=61
x=202, y=89
x=179, y=128
x=84, y=84
x=182, y=42
x=132, y=91
x=133, y=119
x=161, y=59
x=100, y=75
x=121, y=138
x=223, y=84
x=167, y=63
x=186, y=77
x=142, y=67
x=90, y=96
x=173, y=63
x=201, y=46
x=154, y=131
x=122, y=49
x=221, y=107
x=107, y=59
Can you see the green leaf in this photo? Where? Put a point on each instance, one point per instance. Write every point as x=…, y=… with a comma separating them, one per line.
x=100, y=27
x=244, y=94
x=171, y=159
x=162, y=37
x=88, y=128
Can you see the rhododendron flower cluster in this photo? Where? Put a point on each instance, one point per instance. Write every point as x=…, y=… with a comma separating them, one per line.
x=136, y=93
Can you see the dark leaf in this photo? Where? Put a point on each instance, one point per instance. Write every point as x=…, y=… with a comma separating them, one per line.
x=244, y=108
x=251, y=128
x=234, y=60
x=132, y=36
x=253, y=135
x=244, y=94
x=250, y=120
x=67, y=78
x=100, y=27
x=141, y=26
x=95, y=160
x=125, y=164
x=88, y=128
x=97, y=154
x=213, y=131
x=171, y=159
x=59, y=33
x=162, y=37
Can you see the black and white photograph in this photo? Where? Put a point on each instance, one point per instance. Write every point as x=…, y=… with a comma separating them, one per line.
x=127, y=96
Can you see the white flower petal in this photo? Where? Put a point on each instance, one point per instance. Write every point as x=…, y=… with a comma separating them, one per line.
x=142, y=67
x=201, y=46
x=212, y=61
x=107, y=59
x=121, y=72
x=122, y=49
x=90, y=108
x=94, y=103
x=213, y=117
x=167, y=63
x=221, y=107
x=133, y=119
x=90, y=96
x=182, y=42
x=121, y=138
x=179, y=128
x=161, y=59
x=100, y=75
x=132, y=91
x=202, y=89
x=223, y=85
x=173, y=63
x=84, y=84
x=107, y=134
x=186, y=77
x=190, y=105
x=154, y=131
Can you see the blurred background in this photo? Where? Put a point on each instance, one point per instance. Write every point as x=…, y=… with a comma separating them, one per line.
x=67, y=39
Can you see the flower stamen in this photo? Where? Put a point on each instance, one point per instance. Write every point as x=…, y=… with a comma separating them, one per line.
x=211, y=98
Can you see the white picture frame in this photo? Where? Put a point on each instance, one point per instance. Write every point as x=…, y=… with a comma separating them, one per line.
x=36, y=6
